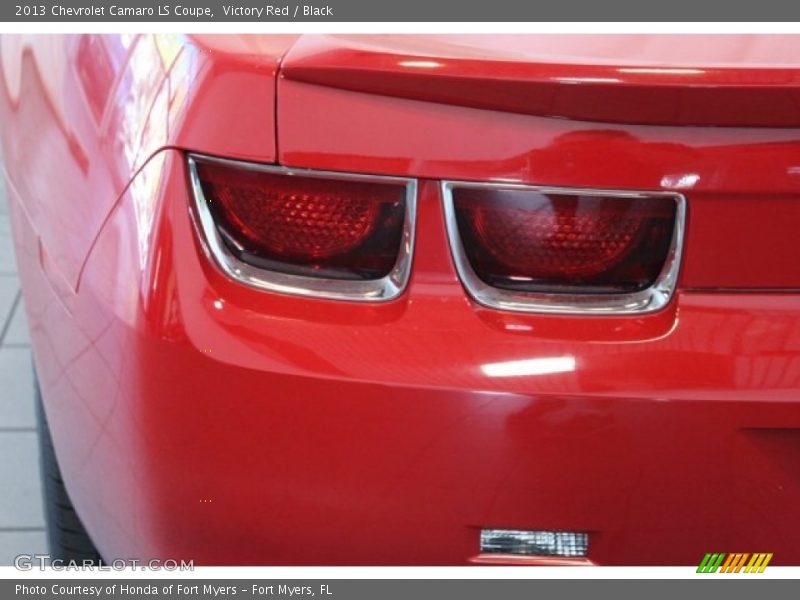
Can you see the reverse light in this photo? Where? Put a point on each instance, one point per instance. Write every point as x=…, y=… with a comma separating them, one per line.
x=567, y=544
x=314, y=233
x=560, y=250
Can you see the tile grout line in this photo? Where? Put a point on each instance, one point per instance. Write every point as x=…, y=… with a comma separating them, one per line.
x=21, y=529
x=18, y=429
x=10, y=316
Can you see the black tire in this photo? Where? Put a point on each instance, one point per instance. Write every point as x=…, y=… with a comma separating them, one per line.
x=66, y=534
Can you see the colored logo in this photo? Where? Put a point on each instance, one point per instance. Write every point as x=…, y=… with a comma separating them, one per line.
x=734, y=563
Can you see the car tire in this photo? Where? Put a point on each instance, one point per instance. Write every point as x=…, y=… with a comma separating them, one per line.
x=66, y=535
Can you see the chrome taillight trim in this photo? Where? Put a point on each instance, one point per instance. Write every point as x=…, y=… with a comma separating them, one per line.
x=649, y=300
x=375, y=290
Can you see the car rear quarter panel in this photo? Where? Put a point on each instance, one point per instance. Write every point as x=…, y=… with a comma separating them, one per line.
x=82, y=114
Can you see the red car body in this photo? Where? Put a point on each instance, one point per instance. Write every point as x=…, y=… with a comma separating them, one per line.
x=194, y=417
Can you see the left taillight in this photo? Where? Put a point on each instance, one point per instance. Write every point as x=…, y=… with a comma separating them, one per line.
x=314, y=233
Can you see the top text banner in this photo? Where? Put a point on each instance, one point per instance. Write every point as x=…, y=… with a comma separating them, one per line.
x=255, y=11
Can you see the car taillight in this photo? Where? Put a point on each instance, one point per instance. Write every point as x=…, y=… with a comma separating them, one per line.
x=308, y=232
x=525, y=248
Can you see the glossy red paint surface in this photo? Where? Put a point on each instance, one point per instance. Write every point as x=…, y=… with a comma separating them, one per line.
x=657, y=80
x=94, y=109
x=197, y=418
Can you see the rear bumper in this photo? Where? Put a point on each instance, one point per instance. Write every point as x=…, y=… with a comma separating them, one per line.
x=231, y=426
x=278, y=468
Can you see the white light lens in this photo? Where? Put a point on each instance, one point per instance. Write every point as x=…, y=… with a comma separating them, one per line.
x=534, y=543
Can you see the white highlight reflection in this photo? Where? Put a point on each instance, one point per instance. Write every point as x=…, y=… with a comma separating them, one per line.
x=531, y=366
x=662, y=71
x=420, y=64
x=681, y=182
x=575, y=80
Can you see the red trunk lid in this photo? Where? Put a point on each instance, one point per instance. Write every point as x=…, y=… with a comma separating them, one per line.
x=652, y=79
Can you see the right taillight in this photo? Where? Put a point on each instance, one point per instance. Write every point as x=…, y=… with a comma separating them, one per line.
x=536, y=249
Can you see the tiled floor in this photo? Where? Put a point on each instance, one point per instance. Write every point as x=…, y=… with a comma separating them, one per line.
x=21, y=515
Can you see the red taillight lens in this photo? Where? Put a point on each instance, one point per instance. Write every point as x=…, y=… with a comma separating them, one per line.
x=327, y=227
x=532, y=241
